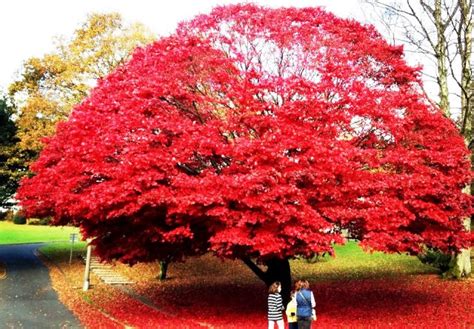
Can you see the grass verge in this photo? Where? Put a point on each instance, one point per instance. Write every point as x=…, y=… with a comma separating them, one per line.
x=12, y=233
x=60, y=252
x=352, y=263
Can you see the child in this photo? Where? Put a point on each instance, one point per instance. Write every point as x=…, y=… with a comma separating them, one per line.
x=275, y=306
x=291, y=312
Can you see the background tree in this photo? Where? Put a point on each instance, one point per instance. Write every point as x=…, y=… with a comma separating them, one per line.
x=258, y=134
x=49, y=87
x=11, y=157
x=440, y=31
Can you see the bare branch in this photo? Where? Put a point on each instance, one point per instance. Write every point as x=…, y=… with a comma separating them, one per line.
x=451, y=68
x=422, y=26
x=390, y=8
x=430, y=76
x=452, y=14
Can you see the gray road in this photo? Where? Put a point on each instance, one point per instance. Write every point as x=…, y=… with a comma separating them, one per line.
x=27, y=299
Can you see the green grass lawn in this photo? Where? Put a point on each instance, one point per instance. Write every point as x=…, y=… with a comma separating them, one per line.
x=59, y=252
x=11, y=233
x=351, y=262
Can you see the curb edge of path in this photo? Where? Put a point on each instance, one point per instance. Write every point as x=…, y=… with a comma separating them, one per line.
x=3, y=271
x=47, y=260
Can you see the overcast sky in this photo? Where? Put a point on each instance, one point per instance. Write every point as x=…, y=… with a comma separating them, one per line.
x=28, y=27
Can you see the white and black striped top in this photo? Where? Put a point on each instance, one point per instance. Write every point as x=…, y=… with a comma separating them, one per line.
x=275, y=307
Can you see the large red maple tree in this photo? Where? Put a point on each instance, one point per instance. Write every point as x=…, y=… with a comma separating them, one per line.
x=257, y=134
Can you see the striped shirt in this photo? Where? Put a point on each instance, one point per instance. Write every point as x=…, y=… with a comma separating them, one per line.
x=275, y=307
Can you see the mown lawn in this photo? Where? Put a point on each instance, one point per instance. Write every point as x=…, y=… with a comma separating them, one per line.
x=12, y=233
x=60, y=252
x=352, y=262
x=353, y=290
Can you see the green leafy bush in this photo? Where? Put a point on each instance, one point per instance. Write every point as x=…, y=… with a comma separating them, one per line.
x=19, y=218
x=435, y=258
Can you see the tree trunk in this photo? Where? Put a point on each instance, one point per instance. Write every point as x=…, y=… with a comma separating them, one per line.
x=163, y=270
x=441, y=59
x=460, y=265
x=277, y=270
x=464, y=46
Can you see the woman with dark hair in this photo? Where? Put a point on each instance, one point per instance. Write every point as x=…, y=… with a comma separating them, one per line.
x=305, y=304
x=275, y=306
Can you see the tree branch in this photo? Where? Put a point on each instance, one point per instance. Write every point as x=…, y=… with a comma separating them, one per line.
x=425, y=31
x=255, y=269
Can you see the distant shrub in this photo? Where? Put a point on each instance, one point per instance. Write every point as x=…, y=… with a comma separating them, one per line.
x=19, y=218
x=3, y=215
x=435, y=258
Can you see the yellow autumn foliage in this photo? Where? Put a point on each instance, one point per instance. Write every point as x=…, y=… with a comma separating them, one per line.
x=49, y=87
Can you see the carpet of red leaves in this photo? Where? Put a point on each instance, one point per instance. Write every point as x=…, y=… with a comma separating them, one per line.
x=132, y=312
x=416, y=302
x=209, y=293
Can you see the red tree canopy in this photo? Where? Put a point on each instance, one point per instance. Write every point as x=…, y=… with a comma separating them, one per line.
x=257, y=132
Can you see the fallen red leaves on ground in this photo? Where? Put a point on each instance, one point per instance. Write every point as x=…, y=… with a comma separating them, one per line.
x=134, y=313
x=409, y=302
x=209, y=293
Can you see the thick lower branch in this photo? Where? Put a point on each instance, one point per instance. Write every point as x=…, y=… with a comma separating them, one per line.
x=257, y=270
x=277, y=270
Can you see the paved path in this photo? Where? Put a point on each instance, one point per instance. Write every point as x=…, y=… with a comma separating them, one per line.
x=27, y=299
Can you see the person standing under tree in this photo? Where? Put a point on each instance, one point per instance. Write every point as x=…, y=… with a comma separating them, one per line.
x=275, y=306
x=291, y=312
x=305, y=304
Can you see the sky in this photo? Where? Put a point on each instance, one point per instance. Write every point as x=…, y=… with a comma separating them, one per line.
x=28, y=27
